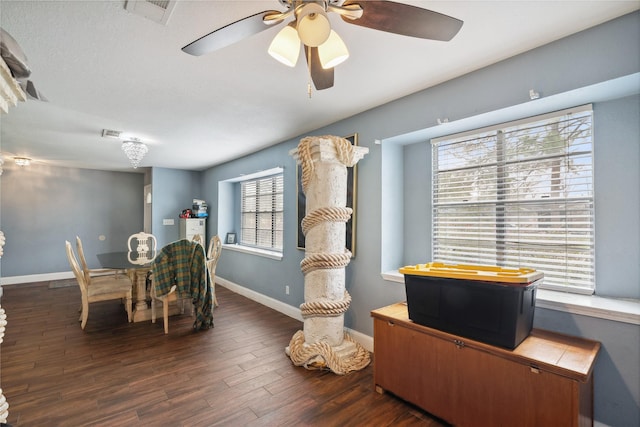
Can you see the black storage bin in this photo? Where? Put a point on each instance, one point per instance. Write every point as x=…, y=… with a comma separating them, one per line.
x=491, y=311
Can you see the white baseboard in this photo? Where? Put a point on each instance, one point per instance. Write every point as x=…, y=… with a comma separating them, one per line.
x=364, y=340
x=279, y=306
x=272, y=303
x=31, y=278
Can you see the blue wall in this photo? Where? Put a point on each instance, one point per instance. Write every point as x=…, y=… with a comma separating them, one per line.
x=617, y=197
x=172, y=191
x=42, y=206
x=241, y=268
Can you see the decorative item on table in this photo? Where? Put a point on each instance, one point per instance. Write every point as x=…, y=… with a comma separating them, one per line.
x=186, y=213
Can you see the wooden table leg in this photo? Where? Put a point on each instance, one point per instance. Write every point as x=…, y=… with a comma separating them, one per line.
x=141, y=311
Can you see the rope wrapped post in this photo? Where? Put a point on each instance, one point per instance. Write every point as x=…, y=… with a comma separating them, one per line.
x=323, y=344
x=4, y=405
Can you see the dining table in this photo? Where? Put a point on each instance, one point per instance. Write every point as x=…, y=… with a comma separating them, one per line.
x=137, y=265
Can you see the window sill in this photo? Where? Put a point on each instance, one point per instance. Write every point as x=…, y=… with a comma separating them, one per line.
x=253, y=251
x=618, y=310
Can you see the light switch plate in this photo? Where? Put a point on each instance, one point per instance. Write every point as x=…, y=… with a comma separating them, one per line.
x=167, y=222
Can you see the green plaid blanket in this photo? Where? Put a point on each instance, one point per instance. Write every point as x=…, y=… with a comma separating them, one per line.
x=183, y=263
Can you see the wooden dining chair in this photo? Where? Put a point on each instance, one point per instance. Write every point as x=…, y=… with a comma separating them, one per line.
x=94, y=289
x=213, y=255
x=181, y=264
x=142, y=242
x=167, y=299
x=85, y=266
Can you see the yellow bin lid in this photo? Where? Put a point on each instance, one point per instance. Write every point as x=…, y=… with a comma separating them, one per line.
x=483, y=273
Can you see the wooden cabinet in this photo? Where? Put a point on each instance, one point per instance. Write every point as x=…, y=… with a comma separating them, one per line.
x=400, y=357
x=546, y=380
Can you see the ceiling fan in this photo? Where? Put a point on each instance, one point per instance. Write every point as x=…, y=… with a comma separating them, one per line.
x=322, y=46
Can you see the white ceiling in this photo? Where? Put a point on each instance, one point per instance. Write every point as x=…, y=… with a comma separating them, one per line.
x=102, y=67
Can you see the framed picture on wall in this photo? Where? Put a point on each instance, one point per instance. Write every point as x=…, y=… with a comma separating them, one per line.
x=352, y=174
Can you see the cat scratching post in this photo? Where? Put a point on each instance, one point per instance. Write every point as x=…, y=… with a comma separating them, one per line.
x=324, y=344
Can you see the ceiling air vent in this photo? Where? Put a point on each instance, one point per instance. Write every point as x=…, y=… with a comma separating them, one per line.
x=156, y=10
x=108, y=133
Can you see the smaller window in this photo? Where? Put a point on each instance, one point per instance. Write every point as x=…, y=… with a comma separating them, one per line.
x=261, y=212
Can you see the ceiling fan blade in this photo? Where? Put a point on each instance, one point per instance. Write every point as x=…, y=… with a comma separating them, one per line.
x=406, y=20
x=32, y=92
x=322, y=79
x=231, y=33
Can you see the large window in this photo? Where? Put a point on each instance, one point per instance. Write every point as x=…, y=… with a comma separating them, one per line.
x=262, y=212
x=519, y=195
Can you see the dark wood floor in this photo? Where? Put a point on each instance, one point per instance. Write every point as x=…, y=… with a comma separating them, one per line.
x=116, y=373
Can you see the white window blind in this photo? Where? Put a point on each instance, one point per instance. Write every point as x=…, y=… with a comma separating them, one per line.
x=519, y=195
x=262, y=212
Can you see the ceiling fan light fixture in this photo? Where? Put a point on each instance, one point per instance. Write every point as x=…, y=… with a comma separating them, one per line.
x=313, y=25
x=333, y=52
x=285, y=46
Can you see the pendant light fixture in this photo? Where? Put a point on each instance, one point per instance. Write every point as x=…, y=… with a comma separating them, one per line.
x=134, y=150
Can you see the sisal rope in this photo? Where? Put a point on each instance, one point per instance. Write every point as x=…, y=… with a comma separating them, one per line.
x=325, y=308
x=320, y=355
x=345, y=152
x=332, y=214
x=325, y=261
